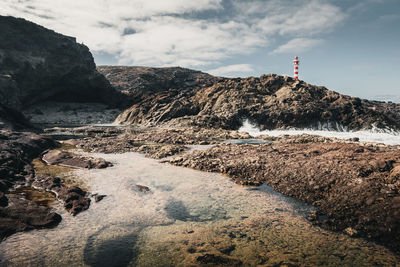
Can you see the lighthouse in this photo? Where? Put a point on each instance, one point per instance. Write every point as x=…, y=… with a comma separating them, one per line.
x=296, y=67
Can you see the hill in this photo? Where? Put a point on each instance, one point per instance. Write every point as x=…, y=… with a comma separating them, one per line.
x=182, y=96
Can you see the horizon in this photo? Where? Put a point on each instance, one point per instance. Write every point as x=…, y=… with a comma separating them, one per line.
x=349, y=47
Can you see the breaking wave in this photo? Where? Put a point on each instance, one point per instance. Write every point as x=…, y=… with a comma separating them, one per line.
x=386, y=136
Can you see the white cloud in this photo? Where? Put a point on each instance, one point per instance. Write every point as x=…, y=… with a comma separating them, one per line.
x=297, y=45
x=173, y=32
x=231, y=70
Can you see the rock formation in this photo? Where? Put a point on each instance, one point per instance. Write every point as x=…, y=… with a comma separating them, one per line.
x=141, y=82
x=16, y=214
x=355, y=187
x=38, y=64
x=270, y=101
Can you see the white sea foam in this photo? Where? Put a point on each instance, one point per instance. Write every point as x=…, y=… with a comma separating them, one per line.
x=385, y=136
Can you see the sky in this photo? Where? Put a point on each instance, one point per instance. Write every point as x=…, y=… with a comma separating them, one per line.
x=349, y=46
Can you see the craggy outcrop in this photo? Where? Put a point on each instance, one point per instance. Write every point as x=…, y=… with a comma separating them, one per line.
x=271, y=101
x=152, y=90
x=38, y=64
x=141, y=82
x=355, y=187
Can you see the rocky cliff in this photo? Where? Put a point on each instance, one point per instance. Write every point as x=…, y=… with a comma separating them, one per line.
x=270, y=101
x=38, y=64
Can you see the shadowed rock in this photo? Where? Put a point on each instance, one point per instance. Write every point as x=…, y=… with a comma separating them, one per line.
x=38, y=64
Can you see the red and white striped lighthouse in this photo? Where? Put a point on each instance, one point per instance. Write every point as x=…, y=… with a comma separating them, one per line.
x=296, y=67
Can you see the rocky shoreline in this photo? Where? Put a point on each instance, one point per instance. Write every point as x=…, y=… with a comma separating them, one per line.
x=355, y=185
x=17, y=150
x=19, y=171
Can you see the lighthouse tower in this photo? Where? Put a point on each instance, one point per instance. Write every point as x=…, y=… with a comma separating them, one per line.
x=296, y=67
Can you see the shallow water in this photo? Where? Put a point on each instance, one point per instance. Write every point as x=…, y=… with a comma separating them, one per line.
x=185, y=215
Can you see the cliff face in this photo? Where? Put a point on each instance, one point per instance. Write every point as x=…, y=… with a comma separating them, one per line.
x=271, y=101
x=38, y=64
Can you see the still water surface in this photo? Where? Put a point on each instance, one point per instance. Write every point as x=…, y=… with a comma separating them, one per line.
x=186, y=214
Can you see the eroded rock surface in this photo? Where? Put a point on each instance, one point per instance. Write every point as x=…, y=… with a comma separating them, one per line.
x=270, y=101
x=74, y=198
x=154, y=142
x=57, y=157
x=25, y=215
x=17, y=149
x=139, y=83
x=356, y=187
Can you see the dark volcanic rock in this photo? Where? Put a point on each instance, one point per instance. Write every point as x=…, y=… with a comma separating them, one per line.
x=144, y=81
x=38, y=64
x=156, y=142
x=16, y=151
x=12, y=119
x=356, y=187
x=142, y=188
x=98, y=198
x=25, y=215
x=271, y=101
x=154, y=89
x=57, y=157
x=74, y=198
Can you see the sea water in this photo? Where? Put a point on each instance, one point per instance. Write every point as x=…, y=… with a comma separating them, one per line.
x=386, y=136
x=186, y=214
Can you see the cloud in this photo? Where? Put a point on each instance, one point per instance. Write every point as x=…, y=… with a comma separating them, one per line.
x=297, y=45
x=295, y=18
x=231, y=70
x=178, y=32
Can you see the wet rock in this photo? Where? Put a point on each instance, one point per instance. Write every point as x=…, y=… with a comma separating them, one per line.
x=98, y=198
x=25, y=215
x=142, y=188
x=17, y=149
x=73, y=197
x=57, y=157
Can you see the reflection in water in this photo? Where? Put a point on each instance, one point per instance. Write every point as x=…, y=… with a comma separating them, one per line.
x=116, y=251
x=188, y=218
x=177, y=210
